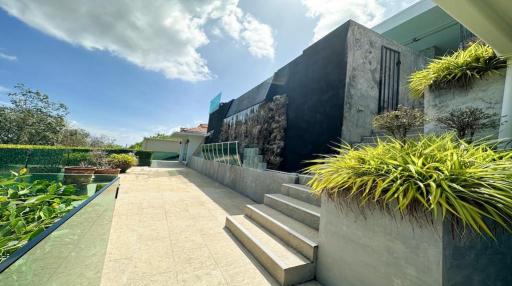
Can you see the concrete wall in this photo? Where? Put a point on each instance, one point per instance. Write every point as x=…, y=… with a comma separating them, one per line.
x=474, y=261
x=376, y=250
x=249, y=182
x=486, y=93
x=160, y=145
x=363, y=73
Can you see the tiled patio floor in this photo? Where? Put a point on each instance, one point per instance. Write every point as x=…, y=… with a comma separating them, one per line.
x=168, y=229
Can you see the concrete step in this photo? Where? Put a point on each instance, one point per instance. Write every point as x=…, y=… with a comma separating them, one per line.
x=304, y=179
x=304, y=212
x=285, y=264
x=301, y=193
x=299, y=236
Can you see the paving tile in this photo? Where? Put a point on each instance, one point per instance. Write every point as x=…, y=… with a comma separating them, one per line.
x=168, y=229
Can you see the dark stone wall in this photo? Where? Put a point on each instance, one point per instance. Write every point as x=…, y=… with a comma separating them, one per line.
x=215, y=121
x=315, y=86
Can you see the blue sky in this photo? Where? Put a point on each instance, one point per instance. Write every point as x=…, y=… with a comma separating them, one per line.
x=131, y=70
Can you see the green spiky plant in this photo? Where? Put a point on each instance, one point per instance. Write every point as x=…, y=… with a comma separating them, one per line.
x=432, y=177
x=456, y=70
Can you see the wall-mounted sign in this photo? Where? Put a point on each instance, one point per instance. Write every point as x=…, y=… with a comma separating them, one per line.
x=215, y=102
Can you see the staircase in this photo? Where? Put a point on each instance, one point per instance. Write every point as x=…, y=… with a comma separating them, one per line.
x=282, y=233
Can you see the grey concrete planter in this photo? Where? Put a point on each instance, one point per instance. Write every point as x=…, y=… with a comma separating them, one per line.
x=486, y=93
x=376, y=249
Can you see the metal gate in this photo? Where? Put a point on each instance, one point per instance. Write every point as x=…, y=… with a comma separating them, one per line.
x=389, y=81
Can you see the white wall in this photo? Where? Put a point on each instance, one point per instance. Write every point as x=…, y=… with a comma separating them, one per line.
x=160, y=145
x=193, y=144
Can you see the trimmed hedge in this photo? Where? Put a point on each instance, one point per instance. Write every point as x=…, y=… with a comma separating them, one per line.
x=58, y=156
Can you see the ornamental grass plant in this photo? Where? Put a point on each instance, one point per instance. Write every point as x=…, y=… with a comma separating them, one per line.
x=456, y=70
x=469, y=184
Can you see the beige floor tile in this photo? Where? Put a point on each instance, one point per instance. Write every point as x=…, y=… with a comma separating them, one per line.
x=168, y=229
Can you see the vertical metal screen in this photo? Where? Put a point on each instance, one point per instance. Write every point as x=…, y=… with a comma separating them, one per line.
x=389, y=79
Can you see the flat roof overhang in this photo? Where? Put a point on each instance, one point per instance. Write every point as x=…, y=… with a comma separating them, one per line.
x=421, y=26
x=490, y=20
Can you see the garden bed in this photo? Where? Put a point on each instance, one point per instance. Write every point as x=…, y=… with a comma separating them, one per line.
x=31, y=204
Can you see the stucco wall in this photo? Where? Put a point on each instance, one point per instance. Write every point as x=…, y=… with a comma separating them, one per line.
x=486, y=93
x=252, y=183
x=362, y=86
x=160, y=145
x=376, y=250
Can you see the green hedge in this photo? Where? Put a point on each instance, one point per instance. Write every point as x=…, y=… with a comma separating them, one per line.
x=57, y=156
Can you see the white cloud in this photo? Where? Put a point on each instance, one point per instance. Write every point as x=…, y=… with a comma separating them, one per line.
x=160, y=35
x=4, y=90
x=248, y=30
x=8, y=57
x=332, y=13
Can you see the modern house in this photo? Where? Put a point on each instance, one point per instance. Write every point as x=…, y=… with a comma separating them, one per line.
x=333, y=89
x=337, y=85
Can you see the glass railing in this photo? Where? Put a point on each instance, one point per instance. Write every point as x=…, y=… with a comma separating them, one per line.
x=73, y=249
x=224, y=152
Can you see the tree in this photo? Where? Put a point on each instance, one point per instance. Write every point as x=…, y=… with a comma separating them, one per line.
x=31, y=118
x=467, y=121
x=74, y=137
x=399, y=122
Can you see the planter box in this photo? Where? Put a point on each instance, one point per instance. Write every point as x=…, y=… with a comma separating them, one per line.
x=486, y=93
x=376, y=249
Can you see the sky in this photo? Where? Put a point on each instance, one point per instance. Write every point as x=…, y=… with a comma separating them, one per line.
x=129, y=69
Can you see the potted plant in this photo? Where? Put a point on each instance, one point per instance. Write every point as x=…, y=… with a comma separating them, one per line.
x=101, y=162
x=122, y=161
x=78, y=175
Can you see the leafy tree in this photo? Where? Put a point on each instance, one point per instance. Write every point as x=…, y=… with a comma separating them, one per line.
x=31, y=118
x=74, y=137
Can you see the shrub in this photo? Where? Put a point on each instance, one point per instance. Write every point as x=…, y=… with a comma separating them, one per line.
x=99, y=158
x=456, y=70
x=55, y=156
x=77, y=159
x=144, y=157
x=122, y=161
x=467, y=121
x=467, y=183
x=399, y=122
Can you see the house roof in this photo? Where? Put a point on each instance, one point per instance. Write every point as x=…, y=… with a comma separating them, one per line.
x=201, y=128
x=250, y=98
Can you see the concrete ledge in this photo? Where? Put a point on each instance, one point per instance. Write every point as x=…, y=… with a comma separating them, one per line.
x=249, y=182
